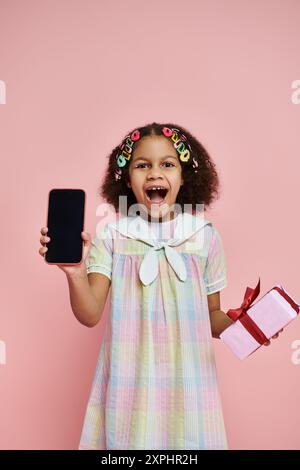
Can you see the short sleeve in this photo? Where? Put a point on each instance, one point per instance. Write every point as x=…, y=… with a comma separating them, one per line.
x=215, y=274
x=100, y=257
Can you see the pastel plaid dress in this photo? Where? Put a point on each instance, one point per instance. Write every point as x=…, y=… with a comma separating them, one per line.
x=155, y=384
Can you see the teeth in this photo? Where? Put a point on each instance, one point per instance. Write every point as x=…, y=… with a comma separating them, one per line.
x=156, y=187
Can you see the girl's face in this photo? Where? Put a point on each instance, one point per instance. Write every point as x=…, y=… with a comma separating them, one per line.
x=155, y=163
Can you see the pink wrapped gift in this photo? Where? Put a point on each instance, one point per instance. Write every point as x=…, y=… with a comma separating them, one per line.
x=255, y=324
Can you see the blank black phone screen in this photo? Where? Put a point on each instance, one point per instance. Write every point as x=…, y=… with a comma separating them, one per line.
x=65, y=224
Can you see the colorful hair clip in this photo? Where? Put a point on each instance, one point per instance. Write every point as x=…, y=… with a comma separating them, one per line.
x=167, y=132
x=118, y=174
x=126, y=148
x=180, y=142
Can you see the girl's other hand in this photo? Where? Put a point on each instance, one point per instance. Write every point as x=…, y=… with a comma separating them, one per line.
x=273, y=337
x=69, y=270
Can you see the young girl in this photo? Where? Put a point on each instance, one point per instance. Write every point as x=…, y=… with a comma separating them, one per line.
x=155, y=384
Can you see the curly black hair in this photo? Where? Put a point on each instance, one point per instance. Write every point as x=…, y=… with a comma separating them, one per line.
x=198, y=188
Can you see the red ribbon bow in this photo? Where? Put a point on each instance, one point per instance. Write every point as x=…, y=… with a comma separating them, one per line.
x=241, y=314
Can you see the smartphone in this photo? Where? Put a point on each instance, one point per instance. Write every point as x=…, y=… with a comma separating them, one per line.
x=65, y=222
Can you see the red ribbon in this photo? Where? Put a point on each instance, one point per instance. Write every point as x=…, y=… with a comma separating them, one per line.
x=241, y=312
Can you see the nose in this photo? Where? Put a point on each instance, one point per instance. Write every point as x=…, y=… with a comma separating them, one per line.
x=154, y=172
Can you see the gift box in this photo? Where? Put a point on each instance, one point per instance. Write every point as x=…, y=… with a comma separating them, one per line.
x=255, y=323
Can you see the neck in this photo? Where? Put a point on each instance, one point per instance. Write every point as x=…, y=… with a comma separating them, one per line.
x=159, y=220
x=166, y=218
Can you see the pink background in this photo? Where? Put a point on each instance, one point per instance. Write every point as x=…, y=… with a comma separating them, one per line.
x=79, y=75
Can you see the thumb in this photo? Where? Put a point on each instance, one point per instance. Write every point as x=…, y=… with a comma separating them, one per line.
x=86, y=237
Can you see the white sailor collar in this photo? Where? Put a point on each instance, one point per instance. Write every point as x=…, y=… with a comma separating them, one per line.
x=137, y=228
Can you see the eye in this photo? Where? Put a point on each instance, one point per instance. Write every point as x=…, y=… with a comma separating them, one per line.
x=139, y=164
x=170, y=163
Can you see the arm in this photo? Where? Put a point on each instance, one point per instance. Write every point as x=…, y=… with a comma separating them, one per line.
x=88, y=294
x=219, y=320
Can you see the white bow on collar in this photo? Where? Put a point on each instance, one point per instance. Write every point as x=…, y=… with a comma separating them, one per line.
x=139, y=229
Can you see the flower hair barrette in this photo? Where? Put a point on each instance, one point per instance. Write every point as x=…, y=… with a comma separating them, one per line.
x=179, y=140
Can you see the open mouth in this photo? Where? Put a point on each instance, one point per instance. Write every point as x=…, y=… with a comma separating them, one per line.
x=156, y=196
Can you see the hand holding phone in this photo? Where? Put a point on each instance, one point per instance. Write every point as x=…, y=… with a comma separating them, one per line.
x=68, y=243
x=77, y=269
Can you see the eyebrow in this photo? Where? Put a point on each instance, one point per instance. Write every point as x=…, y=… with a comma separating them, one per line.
x=163, y=158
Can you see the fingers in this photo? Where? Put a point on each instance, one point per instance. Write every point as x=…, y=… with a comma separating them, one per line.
x=86, y=237
x=43, y=240
x=43, y=250
x=277, y=334
x=273, y=337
